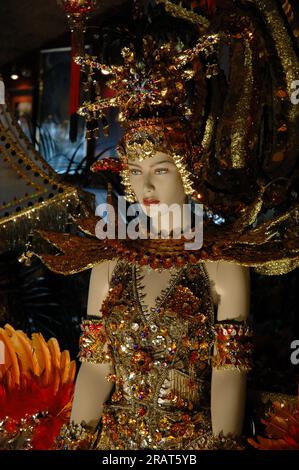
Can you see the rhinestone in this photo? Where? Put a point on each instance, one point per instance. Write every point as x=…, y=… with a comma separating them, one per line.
x=158, y=341
x=130, y=340
x=154, y=328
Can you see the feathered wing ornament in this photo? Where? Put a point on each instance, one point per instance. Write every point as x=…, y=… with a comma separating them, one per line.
x=263, y=248
x=282, y=428
x=36, y=390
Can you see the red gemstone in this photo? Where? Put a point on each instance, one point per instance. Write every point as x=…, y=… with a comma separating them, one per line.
x=167, y=263
x=193, y=356
x=11, y=426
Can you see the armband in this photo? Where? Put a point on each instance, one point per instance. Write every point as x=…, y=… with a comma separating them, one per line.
x=93, y=342
x=233, y=346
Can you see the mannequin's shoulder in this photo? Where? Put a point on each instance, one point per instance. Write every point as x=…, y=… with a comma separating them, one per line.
x=228, y=266
x=225, y=273
x=104, y=269
x=212, y=267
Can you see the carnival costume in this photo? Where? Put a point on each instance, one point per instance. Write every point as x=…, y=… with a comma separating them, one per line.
x=205, y=106
x=162, y=356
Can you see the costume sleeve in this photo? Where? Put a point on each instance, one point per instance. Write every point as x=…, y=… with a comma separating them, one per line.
x=94, y=342
x=233, y=346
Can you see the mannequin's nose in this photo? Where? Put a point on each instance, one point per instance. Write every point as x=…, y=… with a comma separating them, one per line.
x=148, y=185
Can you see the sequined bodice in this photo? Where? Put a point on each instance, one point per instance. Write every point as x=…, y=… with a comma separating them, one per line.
x=161, y=358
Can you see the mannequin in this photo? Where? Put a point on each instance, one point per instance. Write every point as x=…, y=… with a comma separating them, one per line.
x=195, y=105
x=158, y=179
x=166, y=347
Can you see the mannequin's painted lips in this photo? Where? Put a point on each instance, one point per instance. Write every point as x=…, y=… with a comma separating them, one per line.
x=148, y=202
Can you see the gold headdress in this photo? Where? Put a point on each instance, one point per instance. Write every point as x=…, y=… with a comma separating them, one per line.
x=157, y=84
x=158, y=101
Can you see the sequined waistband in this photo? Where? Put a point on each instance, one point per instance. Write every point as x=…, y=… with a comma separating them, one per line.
x=130, y=426
x=154, y=422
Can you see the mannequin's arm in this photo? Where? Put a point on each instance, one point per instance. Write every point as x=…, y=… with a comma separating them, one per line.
x=92, y=389
x=228, y=392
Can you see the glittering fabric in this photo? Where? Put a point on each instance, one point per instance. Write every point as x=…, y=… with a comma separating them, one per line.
x=233, y=346
x=161, y=357
x=92, y=342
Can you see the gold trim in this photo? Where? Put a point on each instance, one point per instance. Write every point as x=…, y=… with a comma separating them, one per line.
x=240, y=117
x=178, y=11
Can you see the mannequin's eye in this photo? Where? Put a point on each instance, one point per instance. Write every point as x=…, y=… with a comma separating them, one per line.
x=135, y=172
x=161, y=171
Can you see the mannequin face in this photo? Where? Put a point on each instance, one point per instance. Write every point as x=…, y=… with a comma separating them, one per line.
x=156, y=180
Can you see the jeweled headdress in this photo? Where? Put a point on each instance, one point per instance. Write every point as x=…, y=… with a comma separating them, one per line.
x=158, y=98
